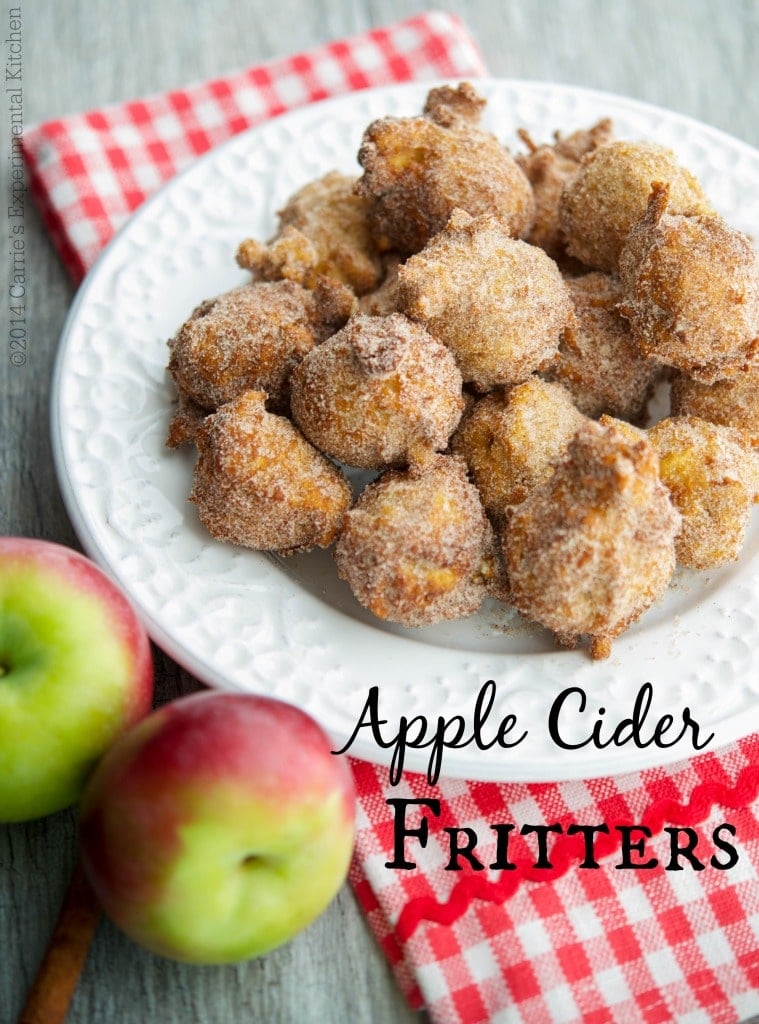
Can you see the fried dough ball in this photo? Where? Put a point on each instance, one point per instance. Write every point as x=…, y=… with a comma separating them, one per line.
x=627, y=429
x=417, y=547
x=591, y=549
x=418, y=169
x=259, y=483
x=512, y=439
x=252, y=337
x=185, y=423
x=323, y=230
x=691, y=288
x=600, y=204
x=380, y=392
x=731, y=403
x=498, y=303
x=599, y=363
x=548, y=169
x=713, y=480
x=384, y=299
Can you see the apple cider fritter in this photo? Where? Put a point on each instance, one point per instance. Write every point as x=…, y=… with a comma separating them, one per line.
x=713, y=479
x=591, y=549
x=691, y=291
x=498, y=303
x=417, y=547
x=731, y=403
x=485, y=333
x=417, y=170
x=380, y=392
x=599, y=362
x=600, y=204
x=252, y=337
x=511, y=440
x=259, y=483
x=548, y=169
x=323, y=231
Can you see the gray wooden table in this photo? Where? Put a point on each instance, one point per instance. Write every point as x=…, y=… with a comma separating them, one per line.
x=696, y=57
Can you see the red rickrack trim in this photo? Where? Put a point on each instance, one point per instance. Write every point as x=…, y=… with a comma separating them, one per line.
x=568, y=849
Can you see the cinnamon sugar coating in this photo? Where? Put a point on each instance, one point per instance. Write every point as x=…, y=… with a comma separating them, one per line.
x=691, y=287
x=185, y=423
x=417, y=547
x=380, y=392
x=591, y=549
x=251, y=337
x=512, y=439
x=259, y=483
x=599, y=362
x=731, y=403
x=323, y=230
x=548, y=169
x=417, y=170
x=379, y=298
x=384, y=298
x=498, y=303
x=608, y=195
x=713, y=480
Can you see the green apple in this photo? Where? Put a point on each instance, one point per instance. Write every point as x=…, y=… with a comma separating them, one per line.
x=75, y=672
x=218, y=827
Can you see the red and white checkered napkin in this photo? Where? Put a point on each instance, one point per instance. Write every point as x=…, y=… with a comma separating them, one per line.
x=89, y=172
x=570, y=944
x=551, y=946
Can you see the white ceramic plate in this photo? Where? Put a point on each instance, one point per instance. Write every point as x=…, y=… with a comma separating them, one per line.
x=289, y=628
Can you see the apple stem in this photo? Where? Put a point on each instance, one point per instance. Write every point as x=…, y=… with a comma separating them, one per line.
x=51, y=993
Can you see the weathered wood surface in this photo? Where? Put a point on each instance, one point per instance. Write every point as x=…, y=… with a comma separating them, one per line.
x=693, y=56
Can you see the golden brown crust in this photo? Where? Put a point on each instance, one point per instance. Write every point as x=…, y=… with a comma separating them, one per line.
x=600, y=204
x=335, y=220
x=417, y=547
x=591, y=549
x=498, y=303
x=250, y=337
x=382, y=391
x=384, y=299
x=454, y=107
x=599, y=363
x=730, y=403
x=418, y=170
x=512, y=439
x=185, y=423
x=713, y=480
x=548, y=169
x=259, y=483
x=691, y=291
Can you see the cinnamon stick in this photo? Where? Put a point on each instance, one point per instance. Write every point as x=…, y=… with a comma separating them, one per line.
x=50, y=996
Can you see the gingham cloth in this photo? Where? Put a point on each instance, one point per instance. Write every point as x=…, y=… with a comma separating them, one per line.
x=559, y=945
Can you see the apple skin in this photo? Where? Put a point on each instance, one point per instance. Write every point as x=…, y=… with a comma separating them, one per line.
x=218, y=827
x=75, y=671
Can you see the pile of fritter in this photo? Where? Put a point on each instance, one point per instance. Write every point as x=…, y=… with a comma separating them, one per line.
x=483, y=333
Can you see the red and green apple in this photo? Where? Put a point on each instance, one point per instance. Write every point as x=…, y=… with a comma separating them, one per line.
x=75, y=672
x=218, y=827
